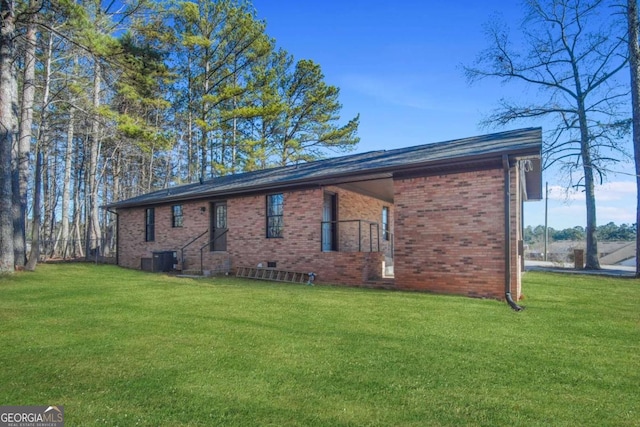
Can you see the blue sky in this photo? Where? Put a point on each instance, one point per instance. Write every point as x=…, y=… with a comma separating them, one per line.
x=398, y=64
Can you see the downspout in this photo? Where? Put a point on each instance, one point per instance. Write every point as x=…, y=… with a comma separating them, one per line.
x=507, y=234
x=117, y=235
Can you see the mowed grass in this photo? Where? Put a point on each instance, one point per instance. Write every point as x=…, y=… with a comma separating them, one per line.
x=121, y=347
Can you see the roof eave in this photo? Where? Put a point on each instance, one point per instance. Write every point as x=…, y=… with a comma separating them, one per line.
x=375, y=173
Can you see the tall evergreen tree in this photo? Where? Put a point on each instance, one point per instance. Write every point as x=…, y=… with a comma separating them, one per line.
x=20, y=179
x=308, y=127
x=235, y=94
x=198, y=79
x=220, y=43
x=262, y=130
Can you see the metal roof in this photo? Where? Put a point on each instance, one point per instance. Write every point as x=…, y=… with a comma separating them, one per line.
x=518, y=144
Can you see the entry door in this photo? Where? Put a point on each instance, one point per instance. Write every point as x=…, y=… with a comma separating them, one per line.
x=219, y=226
x=329, y=223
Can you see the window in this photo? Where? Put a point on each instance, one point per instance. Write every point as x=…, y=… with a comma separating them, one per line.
x=219, y=226
x=176, y=216
x=150, y=224
x=221, y=216
x=385, y=223
x=275, y=225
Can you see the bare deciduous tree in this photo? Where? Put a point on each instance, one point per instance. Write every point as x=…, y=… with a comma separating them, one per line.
x=634, y=59
x=571, y=52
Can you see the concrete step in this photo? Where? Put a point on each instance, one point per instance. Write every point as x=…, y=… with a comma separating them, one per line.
x=191, y=272
x=384, y=283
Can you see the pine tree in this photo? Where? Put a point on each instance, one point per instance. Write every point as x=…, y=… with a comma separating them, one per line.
x=267, y=105
x=8, y=130
x=20, y=180
x=220, y=42
x=308, y=127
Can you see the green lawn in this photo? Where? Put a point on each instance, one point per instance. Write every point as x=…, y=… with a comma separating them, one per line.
x=120, y=347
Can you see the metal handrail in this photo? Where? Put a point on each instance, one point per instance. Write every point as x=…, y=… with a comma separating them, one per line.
x=359, y=221
x=209, y=243
x=189, y=244
x=377, y=236
x=391, y=243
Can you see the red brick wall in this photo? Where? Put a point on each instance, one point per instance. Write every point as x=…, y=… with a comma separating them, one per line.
x=357, y=206
x=450, y=233
x=300, y=244
x=300, y=247
x=131, y=235
x=298, y=250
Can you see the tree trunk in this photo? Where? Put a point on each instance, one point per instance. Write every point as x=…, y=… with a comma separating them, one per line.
x=76, y=232
x=634, y=60
x=204, y=116
x=113, y=225
x=34, y=255
x=93, y=223
x=8, y=131
x=21, y=169
x=591, y=256
x=592, y=261
x=192, y=150
x=150, y=176
x=47, y=194
x=66, y=184
x=51, y=202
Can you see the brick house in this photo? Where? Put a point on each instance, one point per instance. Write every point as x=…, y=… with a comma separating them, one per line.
x=443, y=217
